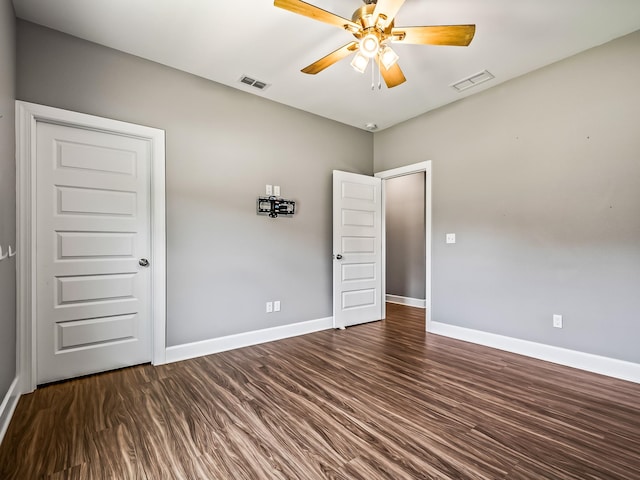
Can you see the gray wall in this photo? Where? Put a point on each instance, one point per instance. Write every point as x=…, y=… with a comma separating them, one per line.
x=223, y=146
x=540, y=179
x=404, y=218
x=7, y=197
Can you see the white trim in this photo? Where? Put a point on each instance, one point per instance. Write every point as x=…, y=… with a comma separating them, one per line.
x=27, y=115
x=406, y=170
x=571, y=358
x=8, y=406
x=412, y=302
x=231, y=342
x=158, y=249
x=383, y=243
x=399, y=172
x=428, y=189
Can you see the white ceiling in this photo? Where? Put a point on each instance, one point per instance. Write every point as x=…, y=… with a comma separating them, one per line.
x=223, y=40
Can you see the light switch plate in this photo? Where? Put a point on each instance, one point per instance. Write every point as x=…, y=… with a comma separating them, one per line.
x=557, y=321
x=276, y=190
x=451, y=238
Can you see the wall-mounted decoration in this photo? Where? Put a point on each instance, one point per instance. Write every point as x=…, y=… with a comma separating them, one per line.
x=10, y=252
x=274, y=206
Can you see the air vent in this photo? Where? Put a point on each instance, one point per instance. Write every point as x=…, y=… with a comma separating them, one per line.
x=472, y=81
x=254, y=83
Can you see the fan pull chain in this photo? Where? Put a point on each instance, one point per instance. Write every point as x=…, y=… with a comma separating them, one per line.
x=373, y=78
x=379, y=74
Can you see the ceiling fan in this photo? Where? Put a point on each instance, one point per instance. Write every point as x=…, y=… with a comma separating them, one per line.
x=373, y=27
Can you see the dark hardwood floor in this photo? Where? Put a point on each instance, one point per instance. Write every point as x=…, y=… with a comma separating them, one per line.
x=377, y=401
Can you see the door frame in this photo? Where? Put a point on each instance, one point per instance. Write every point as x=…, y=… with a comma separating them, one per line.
x=400, y=172
x=27, y=116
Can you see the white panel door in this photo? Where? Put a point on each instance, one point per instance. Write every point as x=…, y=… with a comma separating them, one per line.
x=357, y=256
x=92, y=234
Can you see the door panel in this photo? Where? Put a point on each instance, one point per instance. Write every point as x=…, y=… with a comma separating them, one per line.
x=96, y=158
x=82, y=333
x=93, y=220
x=354, y=272
x=359, y=298
x=90, y=201
x=94, y=288
x=363, y=245
x=356, y=218
x=357, y=207
x=94, y=245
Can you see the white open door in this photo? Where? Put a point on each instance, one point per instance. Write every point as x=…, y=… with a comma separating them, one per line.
x=357, y=255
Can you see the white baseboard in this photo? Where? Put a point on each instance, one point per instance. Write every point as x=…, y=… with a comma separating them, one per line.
x=412, y=302
x=571, y=358
x=230, y=342
x=8, y=406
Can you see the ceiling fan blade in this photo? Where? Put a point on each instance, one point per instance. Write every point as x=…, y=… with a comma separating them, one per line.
x=388, y=8
x=392, y=77
x=330, y=59
x=456, y=35
x=311, y=11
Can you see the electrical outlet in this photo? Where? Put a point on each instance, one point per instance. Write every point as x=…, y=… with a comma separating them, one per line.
x=276, y=190
x=276, y=306
x=451, y=238
x=269, y=190
x=557, y=321
x=269, y=307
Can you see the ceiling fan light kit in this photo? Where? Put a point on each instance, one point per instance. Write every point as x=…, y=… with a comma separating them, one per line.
x=360, y=62
x=369, y=45
x=373, y=27
x=387, y=56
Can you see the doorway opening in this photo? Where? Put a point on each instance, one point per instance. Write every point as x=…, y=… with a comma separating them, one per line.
x=400, y=229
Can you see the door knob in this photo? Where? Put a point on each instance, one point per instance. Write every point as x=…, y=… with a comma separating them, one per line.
x=338, y=257
x=143, y=262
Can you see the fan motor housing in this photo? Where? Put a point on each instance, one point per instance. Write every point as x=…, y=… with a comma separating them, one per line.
x=364, y=17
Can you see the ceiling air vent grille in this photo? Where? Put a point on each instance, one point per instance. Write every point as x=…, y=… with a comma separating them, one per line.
x=253, y=82
x=472, y=81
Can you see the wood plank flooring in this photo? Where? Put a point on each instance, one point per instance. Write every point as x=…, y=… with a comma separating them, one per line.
x=377, y=401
